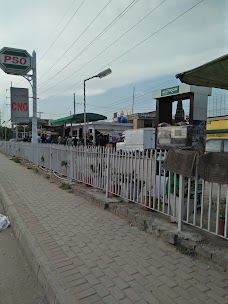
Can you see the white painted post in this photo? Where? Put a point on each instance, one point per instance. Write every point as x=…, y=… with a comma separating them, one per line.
x=181, y=203
x=218, y=208
x=71, y=163
x=107, y=172
x=226, y=215
x=50, y=158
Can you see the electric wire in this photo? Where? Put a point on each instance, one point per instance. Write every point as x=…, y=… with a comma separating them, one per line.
x=132, y=48
x=61, y=32
x=76, y=40
x=65, y=13
x=56, y=27
x=131, y=28
x=91, y=43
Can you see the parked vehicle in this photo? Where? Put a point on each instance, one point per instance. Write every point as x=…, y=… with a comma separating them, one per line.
x=137, y=139
x=217, y=145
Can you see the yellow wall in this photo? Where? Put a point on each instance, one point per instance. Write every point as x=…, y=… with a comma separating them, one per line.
x=217, y=124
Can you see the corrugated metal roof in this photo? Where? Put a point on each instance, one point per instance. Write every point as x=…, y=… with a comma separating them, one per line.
x=212, y=74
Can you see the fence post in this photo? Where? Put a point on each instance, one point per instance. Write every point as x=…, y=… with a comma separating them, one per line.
x=50, y=159
x=38, y=154
x=181, y=203
x=71, y=164
x=107, y=172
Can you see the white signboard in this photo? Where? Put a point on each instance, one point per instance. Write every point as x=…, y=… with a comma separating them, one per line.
x=19, y=105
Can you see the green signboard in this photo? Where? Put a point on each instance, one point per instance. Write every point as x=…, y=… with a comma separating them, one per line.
x=170, y=91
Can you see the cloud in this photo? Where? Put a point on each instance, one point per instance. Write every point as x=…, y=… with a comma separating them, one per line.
x=195, y=38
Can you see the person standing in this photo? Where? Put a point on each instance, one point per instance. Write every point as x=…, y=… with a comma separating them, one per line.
x=43, y=139
x=75, y=141
x=69, y=141
x=59, y=140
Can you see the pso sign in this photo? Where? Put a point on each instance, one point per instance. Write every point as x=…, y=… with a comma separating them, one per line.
x=15, y=61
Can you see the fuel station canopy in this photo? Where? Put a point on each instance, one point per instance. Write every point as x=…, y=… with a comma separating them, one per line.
x=212, y=74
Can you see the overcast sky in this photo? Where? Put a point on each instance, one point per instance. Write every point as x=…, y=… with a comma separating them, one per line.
x=71, y=37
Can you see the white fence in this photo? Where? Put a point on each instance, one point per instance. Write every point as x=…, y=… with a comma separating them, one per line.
x=136, y=177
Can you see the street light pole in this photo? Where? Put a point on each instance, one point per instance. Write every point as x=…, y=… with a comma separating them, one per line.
x=84, y=130
x=99, y=75
x=34, y=91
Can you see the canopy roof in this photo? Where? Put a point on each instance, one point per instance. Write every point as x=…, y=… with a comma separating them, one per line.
x=78, y=118
x=29, y=122
x=212, y=74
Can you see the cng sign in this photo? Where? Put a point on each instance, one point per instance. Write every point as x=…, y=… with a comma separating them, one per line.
x=19, y=105
x=15, y=61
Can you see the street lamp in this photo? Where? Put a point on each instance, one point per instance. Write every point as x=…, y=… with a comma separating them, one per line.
x=99, y=75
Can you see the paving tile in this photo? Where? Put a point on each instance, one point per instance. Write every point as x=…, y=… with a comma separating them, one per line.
x=98, y=257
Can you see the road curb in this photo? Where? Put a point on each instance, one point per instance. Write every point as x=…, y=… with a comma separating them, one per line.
x=46, y=276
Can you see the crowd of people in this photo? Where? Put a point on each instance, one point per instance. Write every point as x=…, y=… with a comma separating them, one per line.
x=61, y=140
x=73, y=141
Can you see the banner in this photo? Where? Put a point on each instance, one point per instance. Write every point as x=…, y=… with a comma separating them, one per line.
x=19, y=105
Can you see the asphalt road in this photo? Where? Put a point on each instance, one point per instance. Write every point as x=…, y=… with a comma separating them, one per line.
x=17, y=282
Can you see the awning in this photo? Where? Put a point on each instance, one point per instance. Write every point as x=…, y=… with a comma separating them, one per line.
x=78, y=118
x=212, y=74
x=39, y=122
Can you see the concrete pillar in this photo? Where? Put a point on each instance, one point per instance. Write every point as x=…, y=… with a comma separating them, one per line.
x=199, y=121
x=138, y=123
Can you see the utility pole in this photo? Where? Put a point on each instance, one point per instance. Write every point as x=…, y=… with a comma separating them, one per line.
x=133, y=101
x=74, y=104
x=40, y=113
x=41, y=123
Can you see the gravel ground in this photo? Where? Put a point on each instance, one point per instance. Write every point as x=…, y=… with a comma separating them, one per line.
x=17, y=282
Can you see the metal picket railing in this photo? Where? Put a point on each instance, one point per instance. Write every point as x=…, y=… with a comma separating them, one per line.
x=137, y=177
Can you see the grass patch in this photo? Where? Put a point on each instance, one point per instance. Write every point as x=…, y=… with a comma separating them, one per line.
x=17, y=160
x=64, y=163
x=65, y=186
x=186, y=250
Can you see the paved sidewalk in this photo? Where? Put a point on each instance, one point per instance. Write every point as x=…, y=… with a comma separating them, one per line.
x=98, y=257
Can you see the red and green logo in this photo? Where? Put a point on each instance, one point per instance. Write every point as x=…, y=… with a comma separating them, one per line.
x=15, y=61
